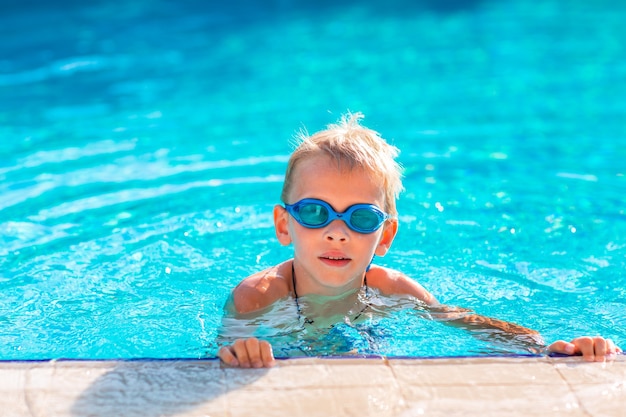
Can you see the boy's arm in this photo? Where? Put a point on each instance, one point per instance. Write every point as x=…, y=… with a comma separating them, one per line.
x=490, y=328
x=261, y=290
x=390, y=281
x=590, y=348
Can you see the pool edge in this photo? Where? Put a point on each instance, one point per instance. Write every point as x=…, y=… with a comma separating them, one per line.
x=484, y=386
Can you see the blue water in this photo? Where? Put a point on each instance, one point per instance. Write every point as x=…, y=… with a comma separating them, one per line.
x=143, y=145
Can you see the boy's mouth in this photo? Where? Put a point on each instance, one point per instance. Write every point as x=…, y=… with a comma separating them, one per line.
x=335, y=260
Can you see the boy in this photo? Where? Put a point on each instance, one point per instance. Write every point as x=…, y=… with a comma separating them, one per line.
x=340, y=194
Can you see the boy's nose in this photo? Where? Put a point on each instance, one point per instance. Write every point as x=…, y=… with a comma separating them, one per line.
x=337, y=230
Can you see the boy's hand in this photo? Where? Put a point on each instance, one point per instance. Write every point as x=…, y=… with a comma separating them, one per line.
x=591, y=348
x=248, y=353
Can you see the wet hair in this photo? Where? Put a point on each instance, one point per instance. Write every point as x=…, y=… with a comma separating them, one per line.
x=351, y=146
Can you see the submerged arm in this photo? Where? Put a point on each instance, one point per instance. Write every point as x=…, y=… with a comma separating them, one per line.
x=590, y=348
x=489, y=328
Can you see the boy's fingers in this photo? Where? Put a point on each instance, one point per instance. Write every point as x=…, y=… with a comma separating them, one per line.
x=227, y=356
x=254, y=352
x=591, y=348
x=266, y=354
x=601, y=348
x=594, y=348
x=241, y=353
x=585, y=345
x=248, y=353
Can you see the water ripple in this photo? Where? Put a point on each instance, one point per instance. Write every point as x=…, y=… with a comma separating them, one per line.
x=71, y=154
x=59, y=68
x=562, y=280
x=123, y=170
x=138, y=194
x=18, y=235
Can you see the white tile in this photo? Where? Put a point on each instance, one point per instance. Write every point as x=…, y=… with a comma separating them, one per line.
x=330, y=373
x=577, y=371
x=312, y=402
x=136, y=387
x=12, y=407
x=476, y=372
x=12, y=377
x=498, y=400
x=602, y=399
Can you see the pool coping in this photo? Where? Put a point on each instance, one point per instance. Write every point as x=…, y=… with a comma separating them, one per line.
x=482, y=386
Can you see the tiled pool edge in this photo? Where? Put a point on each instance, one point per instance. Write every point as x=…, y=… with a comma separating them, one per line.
x=484, y=386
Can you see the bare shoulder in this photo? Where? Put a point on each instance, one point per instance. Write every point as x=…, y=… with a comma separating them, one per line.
x=390, y=281
x=262, y=289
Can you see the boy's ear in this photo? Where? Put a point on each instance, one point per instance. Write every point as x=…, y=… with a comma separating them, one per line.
x=281, y=225
x=390, y=228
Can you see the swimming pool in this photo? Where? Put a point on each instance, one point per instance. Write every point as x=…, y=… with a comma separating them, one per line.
x=144, y=146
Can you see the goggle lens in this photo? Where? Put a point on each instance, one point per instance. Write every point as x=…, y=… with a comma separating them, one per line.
x=313, y=214
x=365, y=219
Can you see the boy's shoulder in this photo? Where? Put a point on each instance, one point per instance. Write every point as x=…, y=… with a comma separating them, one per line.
x=390, y=281
x=261, y=289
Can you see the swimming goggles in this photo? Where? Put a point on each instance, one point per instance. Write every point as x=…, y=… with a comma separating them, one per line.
x=313, y=214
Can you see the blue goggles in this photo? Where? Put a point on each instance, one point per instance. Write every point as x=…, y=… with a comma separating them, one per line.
x=313, y=214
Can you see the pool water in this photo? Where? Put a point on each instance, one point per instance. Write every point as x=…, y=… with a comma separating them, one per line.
x=144, y=143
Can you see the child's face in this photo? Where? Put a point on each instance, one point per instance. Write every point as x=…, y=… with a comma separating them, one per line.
x=332, y=259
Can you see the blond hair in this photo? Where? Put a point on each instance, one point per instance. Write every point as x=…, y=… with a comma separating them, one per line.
x=351, y=145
